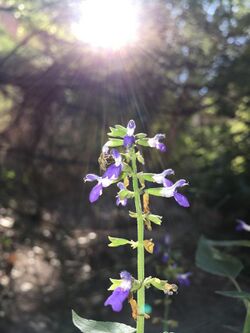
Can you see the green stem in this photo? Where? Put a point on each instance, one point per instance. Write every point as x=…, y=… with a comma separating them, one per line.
x=246, y=328
x=140, y=248
x=165, y=318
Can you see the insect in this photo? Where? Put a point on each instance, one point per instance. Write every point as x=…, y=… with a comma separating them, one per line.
x=105, y=160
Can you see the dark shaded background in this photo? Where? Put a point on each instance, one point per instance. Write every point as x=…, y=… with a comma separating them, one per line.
x=188, y=77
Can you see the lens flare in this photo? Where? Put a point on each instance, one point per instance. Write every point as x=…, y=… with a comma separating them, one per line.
x=107, y=24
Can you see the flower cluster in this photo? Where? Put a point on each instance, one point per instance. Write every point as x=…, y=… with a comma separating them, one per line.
x=120, y=155
x=115, y=171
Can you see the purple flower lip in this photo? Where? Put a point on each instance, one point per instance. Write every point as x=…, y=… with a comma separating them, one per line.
x=242, y=226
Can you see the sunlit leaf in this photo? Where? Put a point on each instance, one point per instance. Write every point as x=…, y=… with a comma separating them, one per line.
x=93, y=326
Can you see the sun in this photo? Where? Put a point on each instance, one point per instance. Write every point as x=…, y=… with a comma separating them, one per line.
x=107, y=24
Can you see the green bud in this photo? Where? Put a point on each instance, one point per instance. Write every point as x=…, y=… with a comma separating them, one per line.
x=140, y=157
x=114, y=143
x=118, y=241
x=157, y=219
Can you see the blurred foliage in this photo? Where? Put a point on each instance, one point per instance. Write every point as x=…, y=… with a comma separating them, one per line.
x=187, y=76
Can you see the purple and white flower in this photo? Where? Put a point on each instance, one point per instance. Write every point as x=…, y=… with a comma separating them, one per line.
x=114, y=170
x=129, y=138
x=170, y=190
x=183, y=279
x=96, y=191
x=119, y=201
x=160, y=177
x=111, y=174
x=155, y=142
x=118, y=296
x=242, y=226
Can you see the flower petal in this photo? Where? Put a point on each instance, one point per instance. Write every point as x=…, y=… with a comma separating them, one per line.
x=128, y=141
x=181, y=199
x=113, y=172
x=116, y=299
x=95, y=193
x=242, y=226
x=91, y=177
x=167, y=182
x=117, y=157
x=131, y=127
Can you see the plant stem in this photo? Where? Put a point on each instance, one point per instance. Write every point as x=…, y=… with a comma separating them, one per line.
x=140, y=248
x=246, y=328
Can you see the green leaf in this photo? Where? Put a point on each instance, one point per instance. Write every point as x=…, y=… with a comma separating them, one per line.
x=157, y=191
x=140, y=157
x=118, y=241
x=125, y=194
x=118, y=131
x=235, y=294
x=148, y=177
x=93, y=326
x=141, y=135
x=215, y=262
x=142, y=142
x=133, y=214
x=157, y=219
x=243, y=243
x=114, y=143
x=115, y=283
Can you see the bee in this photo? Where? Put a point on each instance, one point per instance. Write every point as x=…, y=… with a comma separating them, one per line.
x=104, y=160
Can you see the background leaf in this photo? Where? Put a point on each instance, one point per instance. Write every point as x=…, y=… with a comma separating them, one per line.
x=235, y=294
x=214, y=261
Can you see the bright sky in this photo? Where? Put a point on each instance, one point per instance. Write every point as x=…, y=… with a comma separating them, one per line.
x=110, y=24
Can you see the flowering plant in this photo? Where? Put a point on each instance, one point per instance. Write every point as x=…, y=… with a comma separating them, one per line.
x=119, y=160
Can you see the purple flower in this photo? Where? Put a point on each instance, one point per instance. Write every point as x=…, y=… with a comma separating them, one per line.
x=114, y=170
x=96, y=191
x=129, y=139
x=118, y=296
x=165, y=257
x=119, y=201
x=170, y=190
x=111, y=174
x=160, y=177
x=242, y=226
x=155, y=142
x=183, y=279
